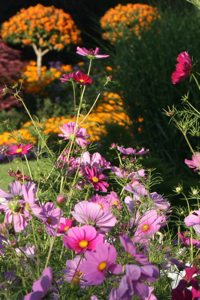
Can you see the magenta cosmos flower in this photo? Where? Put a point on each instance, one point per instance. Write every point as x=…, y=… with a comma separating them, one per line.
x=41, y=287
x=96, y=179
x=21, y=149
x=68, y=132
x=91, y=54
x=195, y=162
x=91, y=213
x=64, y=226
x=99, y=262
x=183, y=68
x=82, y=79
x=83, y=238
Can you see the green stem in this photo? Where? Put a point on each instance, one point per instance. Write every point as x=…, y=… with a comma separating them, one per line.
x=196, y=81
x=188, y=205
x=90, y=109
x=61, y=184
x=28, y=166
x=53, y=240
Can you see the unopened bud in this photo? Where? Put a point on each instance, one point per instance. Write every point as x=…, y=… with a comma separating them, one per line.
x=113, y=145
x=137, y=202
x=60, y=199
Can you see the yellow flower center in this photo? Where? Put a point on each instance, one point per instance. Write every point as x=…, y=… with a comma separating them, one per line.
x=19, y=150
x=66, y=228
x=49, y=221
x=102, y=266
x=83, y=243
x=95, y=179
x=81, y=80
x=116, y=202
x=145, y=227
x=100, y=205
x=76, y=280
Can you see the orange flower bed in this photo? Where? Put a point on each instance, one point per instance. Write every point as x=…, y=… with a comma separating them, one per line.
x=31, y=83
x=110, y=110
x=55, y=27
x=135, y=17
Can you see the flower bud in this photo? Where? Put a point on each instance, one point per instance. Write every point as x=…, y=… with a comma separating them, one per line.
x=60, y=199
x=113, y=145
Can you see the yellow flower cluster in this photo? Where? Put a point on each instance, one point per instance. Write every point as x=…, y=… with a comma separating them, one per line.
x=132, y=16
x=110, y=110
x=31, y=81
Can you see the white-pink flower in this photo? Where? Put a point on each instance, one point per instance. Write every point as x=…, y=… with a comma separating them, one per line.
x=80, y=134
x=91, y=213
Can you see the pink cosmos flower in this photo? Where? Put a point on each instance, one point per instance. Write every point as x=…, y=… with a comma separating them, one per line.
x=18, y=175
x=80, y=135
x=66, y=77
x=148, y=225
x=131, y=283
x=183, y=68
x=64, y=226
x=83, y=238
x=131, y=151
x=188, y=279
x=91, y=54
x=95, y=160
x=96, y=179
x=21, y=149
x=195, y=162
x=82, y=79
x=73, y=273
x=131, y=249
x=101, y=201
x=31, y=206
x=187, y=241
x=113, y=200
x=41, y=287
x=50, y=217
x=86, y=213
x=15, y=192
x=99, y=262
x=193, y=219
x=16, y=214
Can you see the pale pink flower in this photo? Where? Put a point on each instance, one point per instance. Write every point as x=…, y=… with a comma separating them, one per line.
x=50, y=217
x=99, y=262
x=91, y=54
x=195, y=162
x=91, y=213
x=16, y=214
x=193, y=219
x=68, y=132
x=83, y=238
x=148, y=225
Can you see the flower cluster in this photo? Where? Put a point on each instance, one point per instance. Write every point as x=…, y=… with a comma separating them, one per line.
x=31, y=83
x=135, y=17
x=49, y=26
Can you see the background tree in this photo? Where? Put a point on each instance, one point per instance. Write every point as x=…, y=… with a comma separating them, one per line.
x=43, y=28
